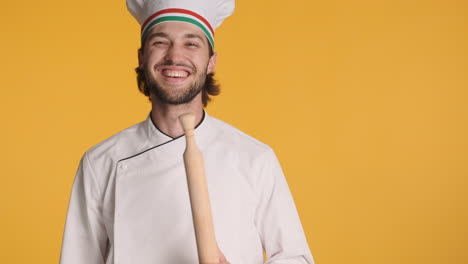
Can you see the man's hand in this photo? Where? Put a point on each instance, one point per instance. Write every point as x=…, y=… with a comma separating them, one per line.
x=222, y=258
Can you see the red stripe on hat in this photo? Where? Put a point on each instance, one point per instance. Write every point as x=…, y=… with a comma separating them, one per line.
x=177, y=10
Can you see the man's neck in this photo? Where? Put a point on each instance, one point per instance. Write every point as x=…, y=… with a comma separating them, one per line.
x=166, y=117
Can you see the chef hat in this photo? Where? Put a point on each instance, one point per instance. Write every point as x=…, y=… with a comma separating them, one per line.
x=205, y=14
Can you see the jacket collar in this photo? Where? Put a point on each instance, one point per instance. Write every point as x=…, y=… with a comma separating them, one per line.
x=156, y=139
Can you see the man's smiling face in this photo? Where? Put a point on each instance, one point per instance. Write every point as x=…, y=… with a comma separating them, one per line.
x=176, y=60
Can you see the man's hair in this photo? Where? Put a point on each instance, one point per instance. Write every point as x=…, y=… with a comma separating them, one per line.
x=210, y=88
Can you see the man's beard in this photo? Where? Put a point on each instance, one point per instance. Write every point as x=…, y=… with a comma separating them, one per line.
x=186, y=96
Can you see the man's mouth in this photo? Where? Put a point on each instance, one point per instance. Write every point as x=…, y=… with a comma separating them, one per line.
x=174, y=73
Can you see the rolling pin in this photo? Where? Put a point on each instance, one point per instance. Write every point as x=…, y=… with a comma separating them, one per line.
x=198, y=191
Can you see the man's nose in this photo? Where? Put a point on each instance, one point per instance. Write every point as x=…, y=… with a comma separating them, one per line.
x=174, y=54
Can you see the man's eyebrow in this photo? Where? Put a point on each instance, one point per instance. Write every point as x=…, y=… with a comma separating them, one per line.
x=191, y=35
x=157, y=34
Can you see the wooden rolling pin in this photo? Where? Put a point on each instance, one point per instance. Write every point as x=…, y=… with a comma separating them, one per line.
x=199, y=199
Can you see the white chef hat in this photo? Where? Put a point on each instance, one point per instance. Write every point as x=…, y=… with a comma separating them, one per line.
x=205, y=14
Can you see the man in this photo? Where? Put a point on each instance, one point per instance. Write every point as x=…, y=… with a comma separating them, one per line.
x=130, y=203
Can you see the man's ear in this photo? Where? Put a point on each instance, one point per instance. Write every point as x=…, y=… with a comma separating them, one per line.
x=212, y=63
x=140, y=57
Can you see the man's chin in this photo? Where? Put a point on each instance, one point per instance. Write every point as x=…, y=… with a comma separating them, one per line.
x=175, y=93
x=175, y=99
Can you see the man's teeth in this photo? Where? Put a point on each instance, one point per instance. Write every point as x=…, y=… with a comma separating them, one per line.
x=175, y=74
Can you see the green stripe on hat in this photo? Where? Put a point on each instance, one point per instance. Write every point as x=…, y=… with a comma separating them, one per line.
x=179, y=19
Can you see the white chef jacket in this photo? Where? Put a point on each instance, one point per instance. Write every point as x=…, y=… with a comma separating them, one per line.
x=130, y=204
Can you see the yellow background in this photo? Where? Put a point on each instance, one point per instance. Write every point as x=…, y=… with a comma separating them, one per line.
x=364, y=102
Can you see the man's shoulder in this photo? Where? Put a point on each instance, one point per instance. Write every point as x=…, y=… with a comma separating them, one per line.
x=121, y=144
x=238, y=139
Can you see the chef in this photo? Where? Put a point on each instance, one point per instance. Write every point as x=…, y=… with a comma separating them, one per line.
x=129, y=202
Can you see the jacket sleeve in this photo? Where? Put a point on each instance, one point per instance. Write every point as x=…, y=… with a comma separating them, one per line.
x=85, y=238
x=277, y=219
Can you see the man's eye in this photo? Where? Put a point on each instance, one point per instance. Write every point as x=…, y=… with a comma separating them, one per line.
x=192, y=44
x=159, y=43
